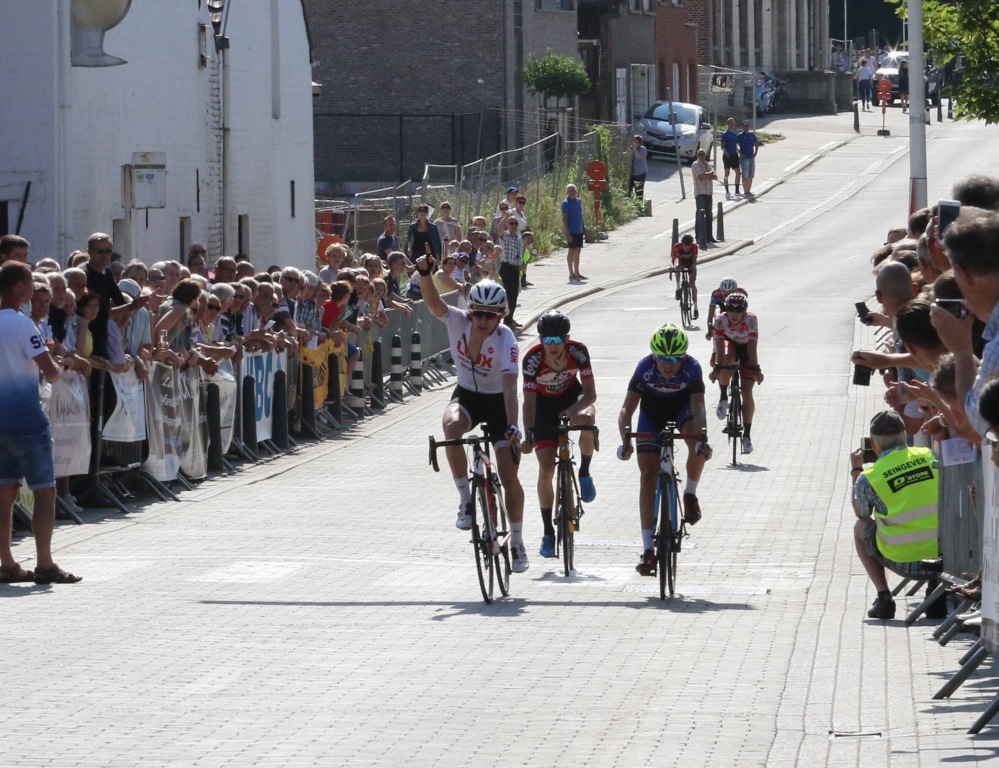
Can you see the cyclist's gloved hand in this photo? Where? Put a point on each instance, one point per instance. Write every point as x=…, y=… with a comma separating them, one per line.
x=624, y=452
x=759, y=375
x=703, y=449
x=527, y=445
x=425, y=265
x=513, y=434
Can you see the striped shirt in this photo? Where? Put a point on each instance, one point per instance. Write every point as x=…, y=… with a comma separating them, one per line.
x=988, y=368
x=513, y=248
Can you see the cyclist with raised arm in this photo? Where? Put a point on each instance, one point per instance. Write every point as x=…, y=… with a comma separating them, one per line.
x=558, y=381
x=485, y=352
x=667, y=386
x=736, y=335
x=717, y=302
x=684, y=255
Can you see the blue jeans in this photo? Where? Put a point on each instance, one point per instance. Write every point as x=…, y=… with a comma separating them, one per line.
x=27, y=453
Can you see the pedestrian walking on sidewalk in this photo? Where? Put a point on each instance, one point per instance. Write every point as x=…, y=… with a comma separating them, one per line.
x=26, y=437
x=639, y=168
x=572, y=222
x=704, y=182
x=749, y=147
x=865, y=79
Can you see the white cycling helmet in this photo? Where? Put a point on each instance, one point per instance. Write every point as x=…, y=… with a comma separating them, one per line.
x=487, y=293
x=728, y=285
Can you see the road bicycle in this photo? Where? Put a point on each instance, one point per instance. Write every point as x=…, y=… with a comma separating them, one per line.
x=771, y=98
x=670, y=526
x=733, y=423
x=568, y=506
x=490, y=527
x=685, y=295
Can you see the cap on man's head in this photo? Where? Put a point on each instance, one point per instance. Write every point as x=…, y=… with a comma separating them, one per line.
x=131, y=288
x=887, y=423
x=745, y=122
x=462, y=256
x=511, y=189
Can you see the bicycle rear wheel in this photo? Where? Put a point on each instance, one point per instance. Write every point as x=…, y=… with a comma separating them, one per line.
x=483, y=536
x=501, y=559
x=735, y=419
x=666, y=550
x=566, y=522
x=780, y=102
x=686, y=305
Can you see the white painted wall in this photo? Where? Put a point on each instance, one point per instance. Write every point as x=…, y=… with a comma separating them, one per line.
x=160, y=101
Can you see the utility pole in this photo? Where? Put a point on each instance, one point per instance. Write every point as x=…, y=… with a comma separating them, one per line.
x=917, y=109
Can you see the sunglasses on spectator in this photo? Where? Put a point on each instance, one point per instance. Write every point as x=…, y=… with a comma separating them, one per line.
x=155, y=279
x=102, y=250
x=668, y=359
x=512, y=224
x=291, y=279
x=215, y=307
x=198, y=252
x=553, y=339
x=483, y=314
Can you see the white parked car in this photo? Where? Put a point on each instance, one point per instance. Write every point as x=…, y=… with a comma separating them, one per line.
x=693, y=131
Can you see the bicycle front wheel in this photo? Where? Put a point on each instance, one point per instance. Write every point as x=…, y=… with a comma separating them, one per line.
x=735, y=420
x=666, y=551
x=501, y=558
x=483, y=537
x=566, y=521
x=686, y=305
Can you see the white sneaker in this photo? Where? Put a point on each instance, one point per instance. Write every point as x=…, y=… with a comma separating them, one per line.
x=747, y=445
x=464, y=520
x=722, y=410
x=71, y=504
x=518, y=558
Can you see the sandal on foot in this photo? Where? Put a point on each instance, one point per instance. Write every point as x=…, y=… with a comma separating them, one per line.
x=15, y=574
x=55, y=575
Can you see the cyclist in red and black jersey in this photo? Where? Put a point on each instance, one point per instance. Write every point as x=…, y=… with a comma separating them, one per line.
x=685, y=255
x=558, y=380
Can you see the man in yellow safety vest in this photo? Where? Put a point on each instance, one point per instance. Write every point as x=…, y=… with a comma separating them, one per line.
x=895, y=500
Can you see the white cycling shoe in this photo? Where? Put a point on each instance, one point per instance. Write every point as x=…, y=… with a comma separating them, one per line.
x=747, y=445
x=518, y=558
x=722, y=410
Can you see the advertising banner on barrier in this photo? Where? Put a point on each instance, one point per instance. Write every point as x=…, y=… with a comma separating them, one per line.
x=69, y=415
x=990, y=553
x=225, y=380
x=192, y=436
x=319, y=359
x=127, y=423
x=262, y=366
x=162, y=423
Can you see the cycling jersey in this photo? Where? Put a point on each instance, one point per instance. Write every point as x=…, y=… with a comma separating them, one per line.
x=497, y=356
x=744, y=333
x=655, y=388
x=686, y=256
x=718, y=296
x=541, y=379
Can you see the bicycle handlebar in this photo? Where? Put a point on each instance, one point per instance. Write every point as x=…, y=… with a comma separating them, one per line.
x=435, y=444
x=736, y=367
x=667, y=432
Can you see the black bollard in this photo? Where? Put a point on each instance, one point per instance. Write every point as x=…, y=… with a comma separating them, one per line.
x=333, y=393
x=377, y=378
x=939, y=110
x=676, y=232
x=720, y=224
x=395, y=369
x=279, y=411
x=701, y=228
x=950, y=107
x=213, y=412
x=416, y=361
x=856, y=117
x=250, y=416
x=309, y=397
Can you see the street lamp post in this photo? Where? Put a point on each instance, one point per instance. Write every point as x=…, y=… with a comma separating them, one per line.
x=917, y=109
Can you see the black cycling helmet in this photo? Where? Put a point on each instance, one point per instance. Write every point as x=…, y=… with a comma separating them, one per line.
x=687, y=239
x=736, y=301
x=553, y=323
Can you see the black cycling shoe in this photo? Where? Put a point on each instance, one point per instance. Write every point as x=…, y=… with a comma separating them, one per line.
x=691, y=509
x=647, y=565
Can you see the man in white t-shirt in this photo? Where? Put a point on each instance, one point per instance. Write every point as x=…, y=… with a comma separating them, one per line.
x=25, y=436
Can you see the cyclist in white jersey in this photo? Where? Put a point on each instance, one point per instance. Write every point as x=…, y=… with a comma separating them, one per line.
x=485, y=352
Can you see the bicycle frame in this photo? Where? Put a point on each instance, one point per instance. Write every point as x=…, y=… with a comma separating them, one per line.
x=670, y=526
x=491, y=534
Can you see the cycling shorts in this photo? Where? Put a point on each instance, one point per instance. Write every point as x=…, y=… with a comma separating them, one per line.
x=546, y=413
x=654, y=419
x=482, y=408
x=741, y=352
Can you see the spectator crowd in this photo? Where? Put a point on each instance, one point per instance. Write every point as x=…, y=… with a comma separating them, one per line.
x=936, y=281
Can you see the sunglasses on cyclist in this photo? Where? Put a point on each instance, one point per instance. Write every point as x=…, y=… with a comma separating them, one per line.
x=553, y=339
x=669, y=359
x=483, y=314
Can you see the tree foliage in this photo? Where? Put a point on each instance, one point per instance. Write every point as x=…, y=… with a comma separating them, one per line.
x=554, y=75
x=969, y=28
